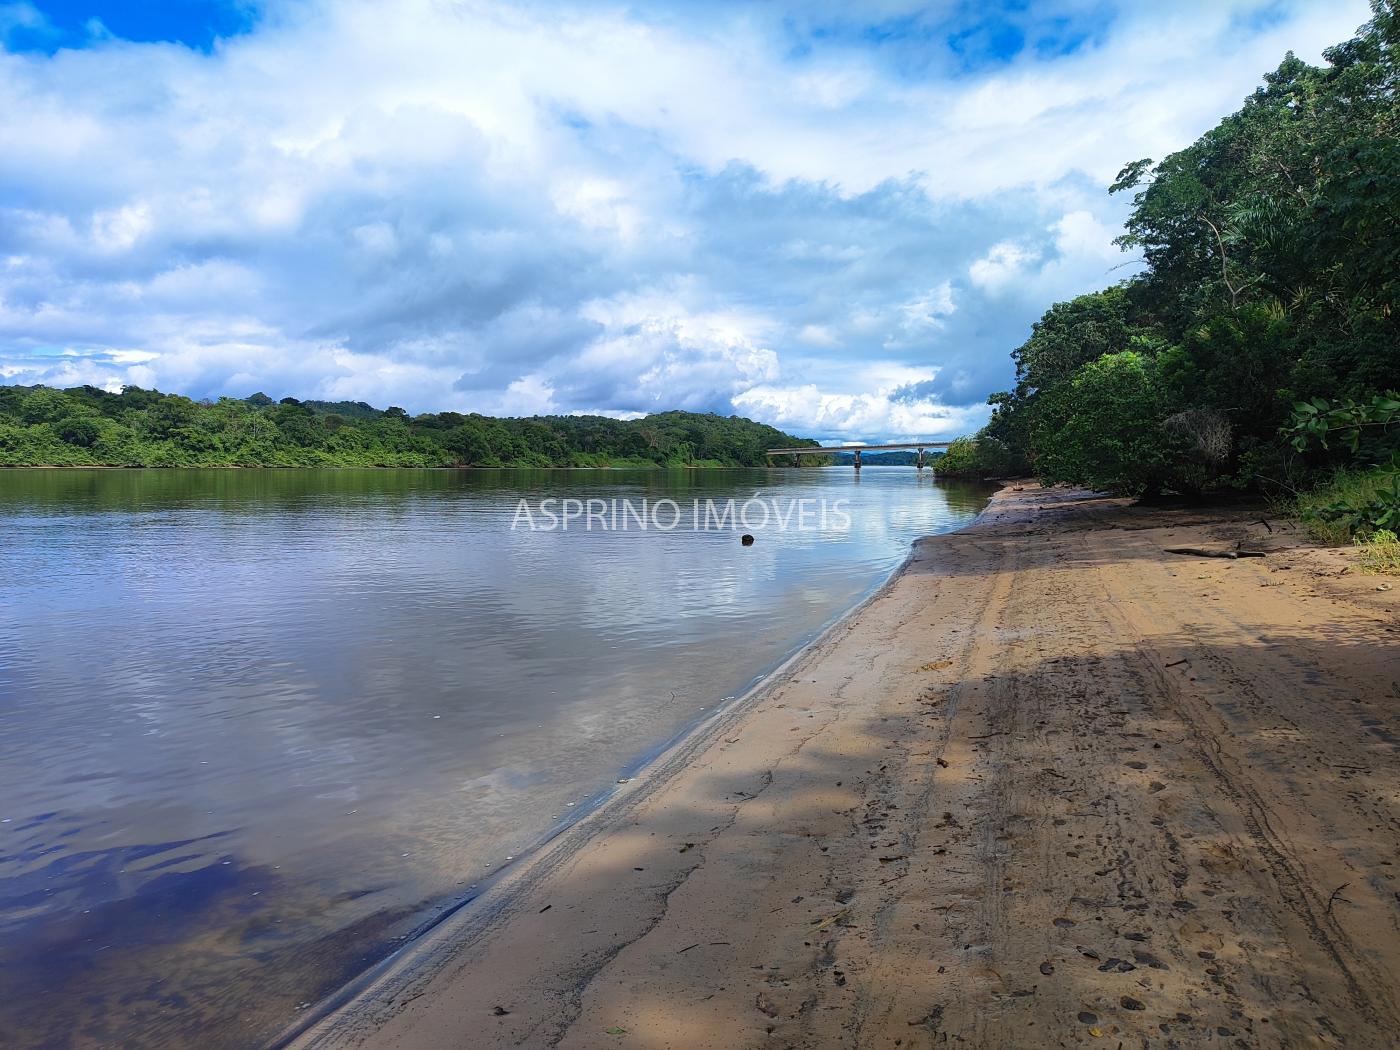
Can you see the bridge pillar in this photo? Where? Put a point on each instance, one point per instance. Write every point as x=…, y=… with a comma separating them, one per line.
x=857, y=459
x=919, y=463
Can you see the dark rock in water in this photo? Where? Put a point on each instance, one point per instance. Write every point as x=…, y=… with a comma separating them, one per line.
x=746, y=540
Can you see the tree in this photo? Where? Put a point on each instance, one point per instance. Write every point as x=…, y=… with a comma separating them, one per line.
x=1069, y=335
x=77, y=430
x=979, y=457
x=146, y=427
x=1102, y=428
x=1272, y=253
x=42, y=405
x=469, y=445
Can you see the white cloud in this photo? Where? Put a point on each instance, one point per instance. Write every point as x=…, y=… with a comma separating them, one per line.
x=118, y=229
x=559, y=206
x=1002, y=264
x=929, y=309
x=858, y=417
x=1081, y=234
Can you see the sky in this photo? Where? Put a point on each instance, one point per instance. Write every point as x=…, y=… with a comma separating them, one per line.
x=835, y=218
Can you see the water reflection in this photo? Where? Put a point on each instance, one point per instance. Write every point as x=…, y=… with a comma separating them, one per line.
x=258, y=725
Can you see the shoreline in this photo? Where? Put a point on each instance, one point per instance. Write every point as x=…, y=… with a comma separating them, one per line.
x=657, y=764
x=771, y=876
x=431, y=466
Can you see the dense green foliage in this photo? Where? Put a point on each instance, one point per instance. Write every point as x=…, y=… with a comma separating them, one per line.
x=88, y=426
x=1348, y=422
x=1352, y=502
x=977, y=459
x=1272, y=251
x=897, y=458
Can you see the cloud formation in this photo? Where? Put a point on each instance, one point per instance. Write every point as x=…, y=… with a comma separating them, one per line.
x=836, y=223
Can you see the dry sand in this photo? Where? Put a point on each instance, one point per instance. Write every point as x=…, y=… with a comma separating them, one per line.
x=1051, y=787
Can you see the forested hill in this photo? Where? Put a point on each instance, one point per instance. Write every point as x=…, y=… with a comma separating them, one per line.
x=1260, y=347
x=86, y=426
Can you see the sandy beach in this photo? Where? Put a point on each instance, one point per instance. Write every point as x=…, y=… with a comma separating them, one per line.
x=1051, y=786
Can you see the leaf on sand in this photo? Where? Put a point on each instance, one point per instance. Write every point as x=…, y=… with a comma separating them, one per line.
x=1097, y=1033
x=615, y=1030
x=937, y=665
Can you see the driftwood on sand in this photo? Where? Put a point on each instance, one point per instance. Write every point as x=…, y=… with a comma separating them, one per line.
x=1201, y=552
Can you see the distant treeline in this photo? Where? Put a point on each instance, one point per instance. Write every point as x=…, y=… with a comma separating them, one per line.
x=898, y=458
x=87, y=426
x=1267, y=318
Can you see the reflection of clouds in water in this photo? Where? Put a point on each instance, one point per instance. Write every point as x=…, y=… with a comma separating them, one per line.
x=372, y=682
x=325, y=722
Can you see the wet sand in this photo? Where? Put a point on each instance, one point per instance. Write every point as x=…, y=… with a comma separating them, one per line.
x=1051, y=786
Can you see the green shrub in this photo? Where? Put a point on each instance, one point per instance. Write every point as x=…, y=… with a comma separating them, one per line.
x=979, y=457
x=1381, y=553
x=1346, y=423
x=1353, y=505
x=1102, y=428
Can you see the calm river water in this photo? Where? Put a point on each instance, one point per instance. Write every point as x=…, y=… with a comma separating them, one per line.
x=260, y=726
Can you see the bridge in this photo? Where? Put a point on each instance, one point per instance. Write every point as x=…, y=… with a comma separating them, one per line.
x=858, y=449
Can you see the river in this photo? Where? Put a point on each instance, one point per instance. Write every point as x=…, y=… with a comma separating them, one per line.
x=260, y=726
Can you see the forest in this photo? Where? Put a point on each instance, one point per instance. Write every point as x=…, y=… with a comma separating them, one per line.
x=87, y=426
x=1259, y=348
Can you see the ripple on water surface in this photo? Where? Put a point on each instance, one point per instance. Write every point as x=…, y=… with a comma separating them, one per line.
x=261, y=725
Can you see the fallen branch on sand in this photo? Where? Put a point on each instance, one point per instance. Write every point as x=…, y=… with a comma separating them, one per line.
x=832, y=919
x=1337, y=896
x=1201, y=552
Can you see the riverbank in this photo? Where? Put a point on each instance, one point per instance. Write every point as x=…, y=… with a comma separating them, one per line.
x=1050, y=784
x=639, y=465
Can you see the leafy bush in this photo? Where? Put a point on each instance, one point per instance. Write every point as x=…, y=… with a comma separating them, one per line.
x=980, y=457
x=1353, y=504
x=1345, y=422
x=1103, y=427
x=1381, y=553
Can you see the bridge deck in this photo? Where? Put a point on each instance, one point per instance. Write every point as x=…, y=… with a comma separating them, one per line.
x=857, y=448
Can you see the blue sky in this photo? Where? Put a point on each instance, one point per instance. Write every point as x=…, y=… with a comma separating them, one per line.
x=838, y=218
x=54, y=24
